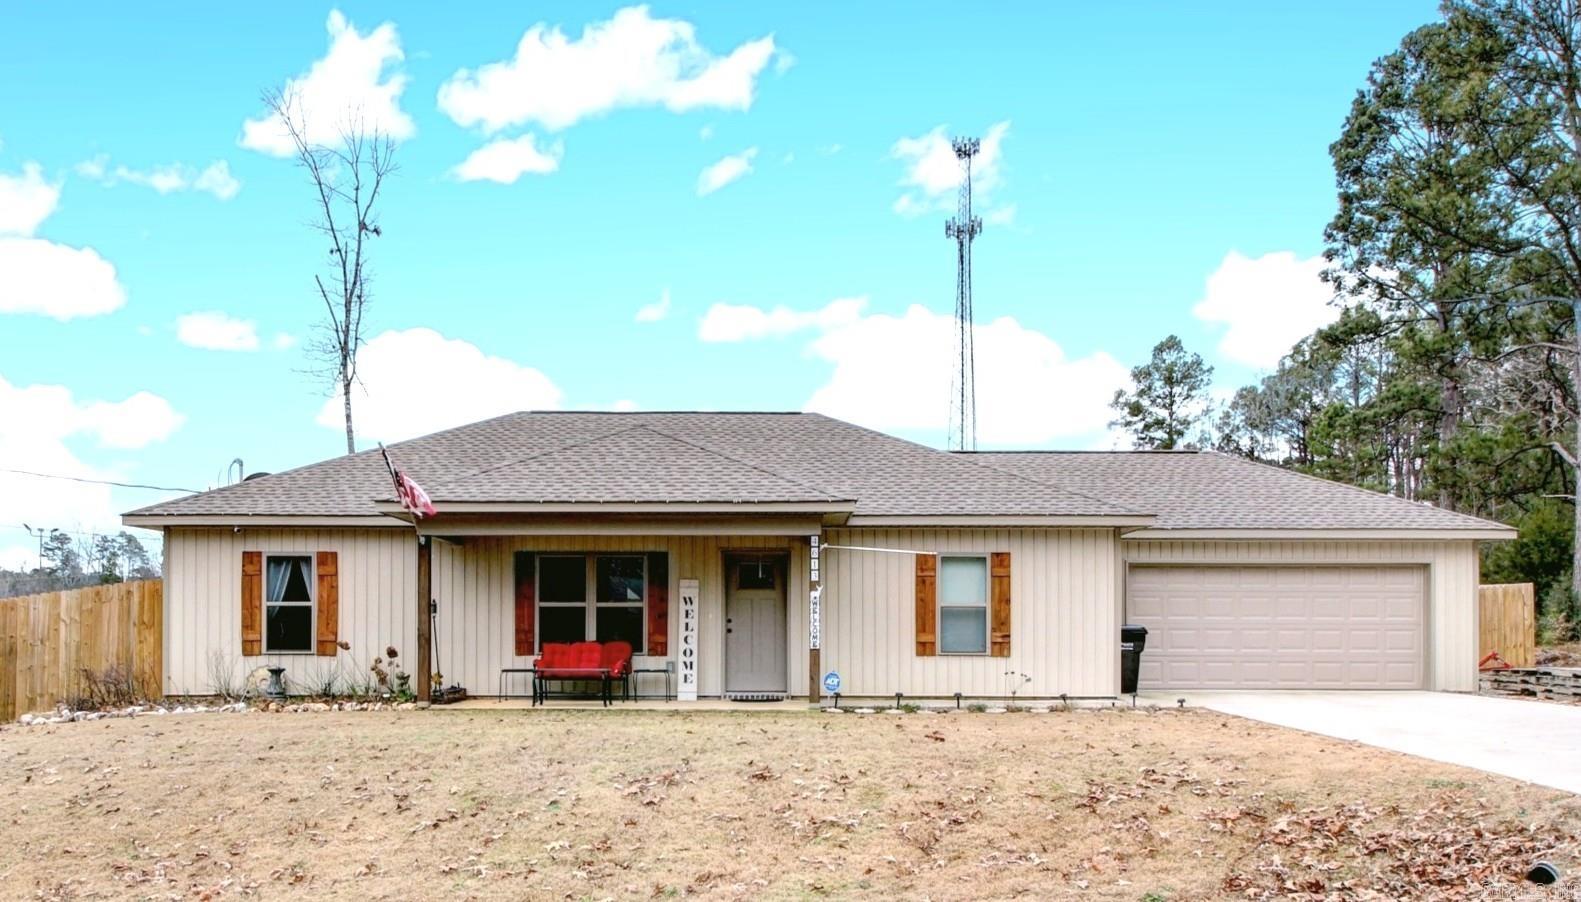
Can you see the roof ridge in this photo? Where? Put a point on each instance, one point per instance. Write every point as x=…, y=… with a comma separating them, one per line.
x=746, y=463
x=1247, y=461
x=676, y=412
x=1090, y=451
x=1078, y=493
x=537, y=454
x=951, y=455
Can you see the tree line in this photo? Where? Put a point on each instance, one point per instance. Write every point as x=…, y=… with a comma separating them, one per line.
x=1451, y=374
x=68, y=562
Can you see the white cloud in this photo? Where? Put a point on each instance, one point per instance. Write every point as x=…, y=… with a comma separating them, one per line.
x=652, y=313
x=282, y=341
x=38, y=276
x=624, y=406
x=725, y=171
x=38, y=423
x=506, y=160
x=139, y=421
x=1005, y=215
x=44, y=277
x=215, y=178
x=894, y=373
x=704, y=133
x=1266, y=305
x=740, y=322
x=216, y=331
x=349, y=84
x=26, y=200
x=456, y=384
x=631, y=60
x=933, y=173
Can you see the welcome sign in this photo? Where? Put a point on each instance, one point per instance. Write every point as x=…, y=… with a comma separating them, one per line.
x=686, y=688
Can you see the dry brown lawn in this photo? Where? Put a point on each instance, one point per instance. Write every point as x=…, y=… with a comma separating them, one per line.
x=592, y=805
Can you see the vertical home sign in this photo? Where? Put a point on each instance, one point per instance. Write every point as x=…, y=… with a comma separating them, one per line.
x=815, y=596
x=686, y=688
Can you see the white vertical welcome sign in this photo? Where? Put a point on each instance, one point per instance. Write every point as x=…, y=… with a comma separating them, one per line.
x=814, y=595
x=686, y=688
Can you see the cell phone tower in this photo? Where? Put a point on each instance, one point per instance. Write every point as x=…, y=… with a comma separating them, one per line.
x=963, y=228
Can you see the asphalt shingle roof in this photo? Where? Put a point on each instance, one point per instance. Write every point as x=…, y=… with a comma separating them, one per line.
x=1211, y=490
x=673, y=457
x=747, y=458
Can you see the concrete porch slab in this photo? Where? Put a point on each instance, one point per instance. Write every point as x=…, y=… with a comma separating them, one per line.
x=1539, y=742
x=577, y=704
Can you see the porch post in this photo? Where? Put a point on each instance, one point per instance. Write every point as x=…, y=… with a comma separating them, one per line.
x=814, y=618
x=425, y=594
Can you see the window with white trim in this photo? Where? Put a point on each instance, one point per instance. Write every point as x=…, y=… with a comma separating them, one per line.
x=963, y=604
x=601, y=597
x=288, y=604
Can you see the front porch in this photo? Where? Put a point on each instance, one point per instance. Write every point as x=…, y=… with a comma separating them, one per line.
x=646, y=705
x=710, y=615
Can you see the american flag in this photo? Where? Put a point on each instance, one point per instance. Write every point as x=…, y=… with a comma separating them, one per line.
x=407, y=491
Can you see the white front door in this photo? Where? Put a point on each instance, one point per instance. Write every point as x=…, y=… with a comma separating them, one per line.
x=755, y=626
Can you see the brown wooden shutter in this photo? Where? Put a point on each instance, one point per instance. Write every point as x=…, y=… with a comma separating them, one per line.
x=526, y=603
x=927, y=604
x=328, y=603
x=658, y=603
x=252, y=602
x=999, y=605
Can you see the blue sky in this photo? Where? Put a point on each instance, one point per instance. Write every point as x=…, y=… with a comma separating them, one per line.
x=1155, y=169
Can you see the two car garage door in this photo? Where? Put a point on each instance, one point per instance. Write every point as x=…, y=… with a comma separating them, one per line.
x=1279, y=627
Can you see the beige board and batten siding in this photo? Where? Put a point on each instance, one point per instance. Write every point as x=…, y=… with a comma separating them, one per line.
x=1452, y=577
x=378, y=585
x=475, y=585
x=1064, y=615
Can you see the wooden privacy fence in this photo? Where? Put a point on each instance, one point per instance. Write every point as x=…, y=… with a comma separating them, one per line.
x=1509, y=623
x=48, y=641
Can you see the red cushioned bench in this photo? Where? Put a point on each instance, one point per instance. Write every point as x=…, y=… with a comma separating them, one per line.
x=562, y=662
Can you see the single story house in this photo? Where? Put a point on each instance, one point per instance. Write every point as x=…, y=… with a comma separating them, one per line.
x=749, y=554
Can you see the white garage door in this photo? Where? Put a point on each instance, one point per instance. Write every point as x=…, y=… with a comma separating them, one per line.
x=1279, y=627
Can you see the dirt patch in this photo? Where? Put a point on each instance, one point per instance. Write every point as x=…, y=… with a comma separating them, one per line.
x=592, y=804
x=1559, y=655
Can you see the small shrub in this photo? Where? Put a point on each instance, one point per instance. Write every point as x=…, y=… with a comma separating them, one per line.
x=224, y=679
x=113, y=687
x=1560, y=615
x=977, y=707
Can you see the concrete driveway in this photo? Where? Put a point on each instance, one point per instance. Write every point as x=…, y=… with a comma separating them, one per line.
x=1538, y=742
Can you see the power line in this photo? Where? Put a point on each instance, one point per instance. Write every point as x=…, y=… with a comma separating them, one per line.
x=124, y=485
x=77, y=532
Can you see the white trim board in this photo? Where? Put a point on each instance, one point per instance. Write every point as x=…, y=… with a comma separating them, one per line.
x=1338, y=535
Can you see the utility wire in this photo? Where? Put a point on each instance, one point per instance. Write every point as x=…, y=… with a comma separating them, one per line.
x=77, y=532
x=124, y=485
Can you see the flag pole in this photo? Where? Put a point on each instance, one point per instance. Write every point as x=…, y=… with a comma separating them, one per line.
x=427, y=615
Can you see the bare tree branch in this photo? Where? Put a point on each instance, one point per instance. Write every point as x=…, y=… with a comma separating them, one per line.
x=347, y=179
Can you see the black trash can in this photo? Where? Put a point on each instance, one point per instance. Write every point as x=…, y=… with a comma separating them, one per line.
x=1133, y=639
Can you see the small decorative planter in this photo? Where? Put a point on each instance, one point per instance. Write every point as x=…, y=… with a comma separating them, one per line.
x=446, y=696
x=276, y=688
